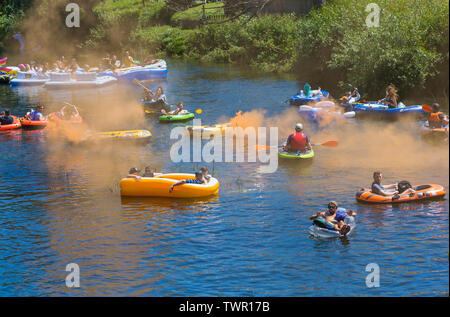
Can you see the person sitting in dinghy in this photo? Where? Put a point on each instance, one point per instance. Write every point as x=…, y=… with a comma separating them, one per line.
x=149, y=173
x=391, y=99
x=333, y=219
x=177, y=111
x=437, y=119
x=36, y=115
x=381, y=190
x=6, y=118
x=298, y=142
x=134, y=173
x=199, y=179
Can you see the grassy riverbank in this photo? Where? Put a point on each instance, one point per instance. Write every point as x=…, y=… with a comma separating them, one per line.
x=332, y=44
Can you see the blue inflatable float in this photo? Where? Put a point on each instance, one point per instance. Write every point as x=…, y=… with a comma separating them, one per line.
x=374, y=109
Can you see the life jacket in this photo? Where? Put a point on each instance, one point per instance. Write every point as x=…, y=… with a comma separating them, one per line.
x=434, y=119
x=297, y=142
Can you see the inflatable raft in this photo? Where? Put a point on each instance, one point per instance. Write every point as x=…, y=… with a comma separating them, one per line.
x=81, y=80
x=29, y=79
x=56, y=117
x=33, y=125
x=15, y=125
x=314, y=96
x=157, y=70
x=430, y=191
x=380, y=110
x=294, y=156
x=177, y=117
x=159, y=187
x=320, y=228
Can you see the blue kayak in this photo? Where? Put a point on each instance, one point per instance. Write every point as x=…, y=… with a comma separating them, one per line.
x=314, y=96
x=380, y=110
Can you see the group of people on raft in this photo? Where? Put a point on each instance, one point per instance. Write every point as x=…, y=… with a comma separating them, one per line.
x=63, y=64
x=67, y=112
x=201, y=176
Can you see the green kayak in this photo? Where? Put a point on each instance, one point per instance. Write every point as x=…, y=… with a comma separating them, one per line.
x=293, y=156
x=176, y=117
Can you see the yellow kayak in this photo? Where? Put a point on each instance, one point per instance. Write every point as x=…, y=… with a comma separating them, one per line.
x=159, y=187
x=208, y=129
x=128, y=135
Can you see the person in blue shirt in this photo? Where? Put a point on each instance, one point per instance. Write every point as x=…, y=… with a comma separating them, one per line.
x=6, y=118
x=199, y=179
x=36, y=115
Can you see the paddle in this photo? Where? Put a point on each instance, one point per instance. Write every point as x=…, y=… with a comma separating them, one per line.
x=139, y=83
x=259, y=147
x=328, y=143
x=427, y=108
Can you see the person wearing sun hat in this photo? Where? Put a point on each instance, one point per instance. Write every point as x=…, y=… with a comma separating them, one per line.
x=134, y=173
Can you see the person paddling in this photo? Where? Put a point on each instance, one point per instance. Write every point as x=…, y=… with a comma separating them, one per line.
x=298, y=141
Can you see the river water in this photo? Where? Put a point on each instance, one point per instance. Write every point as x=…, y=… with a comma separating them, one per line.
x=61, y=203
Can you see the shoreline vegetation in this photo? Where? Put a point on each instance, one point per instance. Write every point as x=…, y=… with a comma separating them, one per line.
x=331, y=45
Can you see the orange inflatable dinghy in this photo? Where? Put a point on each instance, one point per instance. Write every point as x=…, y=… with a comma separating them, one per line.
x=430, y=191
x=33, y=125
x=55, y=116
x=15, y=125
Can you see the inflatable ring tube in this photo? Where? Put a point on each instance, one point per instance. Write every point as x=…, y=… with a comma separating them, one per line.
x=327, y=233
x=15, y=125
x=290, y=155
x=159, y=187
x=177, y=117
x=33, y=125
x=428, y=191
